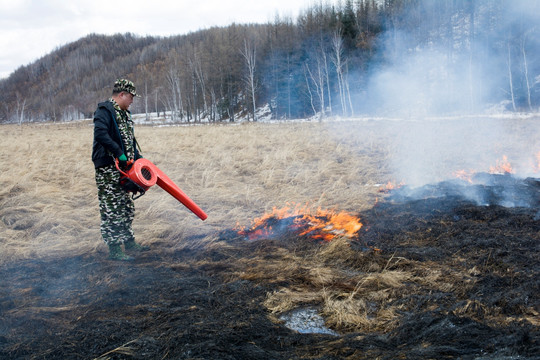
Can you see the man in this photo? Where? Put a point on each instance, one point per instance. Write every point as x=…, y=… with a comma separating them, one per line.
x=114, y=140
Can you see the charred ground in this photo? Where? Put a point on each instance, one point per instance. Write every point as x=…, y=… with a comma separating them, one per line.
x=453, y=279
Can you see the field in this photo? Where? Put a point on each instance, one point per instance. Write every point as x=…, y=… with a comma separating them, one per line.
x=430, y=276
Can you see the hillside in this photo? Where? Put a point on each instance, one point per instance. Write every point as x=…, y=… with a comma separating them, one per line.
x=361, y=57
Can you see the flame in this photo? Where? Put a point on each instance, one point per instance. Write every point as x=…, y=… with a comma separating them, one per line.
x=466, y=175
x=321, y=224
x=502, y=167
x=390, y=186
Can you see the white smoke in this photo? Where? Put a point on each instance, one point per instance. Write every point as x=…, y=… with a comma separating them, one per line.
x=449, y=94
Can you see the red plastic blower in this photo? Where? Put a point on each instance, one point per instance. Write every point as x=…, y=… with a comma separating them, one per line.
x=143, y=174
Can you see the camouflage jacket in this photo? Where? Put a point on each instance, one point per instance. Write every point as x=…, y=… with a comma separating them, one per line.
x=108, y=140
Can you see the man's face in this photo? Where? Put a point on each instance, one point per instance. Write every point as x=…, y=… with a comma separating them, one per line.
x=124, y=100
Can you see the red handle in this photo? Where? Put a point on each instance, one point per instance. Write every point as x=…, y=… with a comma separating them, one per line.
x=117, y=163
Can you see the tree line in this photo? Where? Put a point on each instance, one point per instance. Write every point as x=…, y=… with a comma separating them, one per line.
x=323, y=63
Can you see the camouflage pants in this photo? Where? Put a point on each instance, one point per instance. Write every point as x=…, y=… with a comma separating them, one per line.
x=116, y=207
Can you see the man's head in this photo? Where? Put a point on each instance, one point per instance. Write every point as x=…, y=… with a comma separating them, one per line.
x=123, y=93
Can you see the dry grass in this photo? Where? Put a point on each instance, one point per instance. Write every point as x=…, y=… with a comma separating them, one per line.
x=48, y=203
x=353, y=294
x=235, y=173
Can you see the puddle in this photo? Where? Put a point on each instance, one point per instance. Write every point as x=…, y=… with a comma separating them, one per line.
x=306, y=321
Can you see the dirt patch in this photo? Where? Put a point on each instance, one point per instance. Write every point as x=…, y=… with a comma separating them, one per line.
x=433, y=277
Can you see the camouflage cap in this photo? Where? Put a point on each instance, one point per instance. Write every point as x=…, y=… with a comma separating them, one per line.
x=125, y=85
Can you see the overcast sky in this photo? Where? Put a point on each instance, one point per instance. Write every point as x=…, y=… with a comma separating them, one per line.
x=30, y=29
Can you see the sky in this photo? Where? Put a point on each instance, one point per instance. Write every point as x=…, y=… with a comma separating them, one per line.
x=31, y=29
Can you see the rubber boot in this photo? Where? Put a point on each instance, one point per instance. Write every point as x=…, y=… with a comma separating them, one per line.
x=116, y=253
x=131, y=245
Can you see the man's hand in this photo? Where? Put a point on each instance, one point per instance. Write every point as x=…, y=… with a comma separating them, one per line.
x=122, y=161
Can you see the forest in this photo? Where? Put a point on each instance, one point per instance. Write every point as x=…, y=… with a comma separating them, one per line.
x=353, y=58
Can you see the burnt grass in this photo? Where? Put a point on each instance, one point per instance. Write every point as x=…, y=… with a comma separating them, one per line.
x=188, y=304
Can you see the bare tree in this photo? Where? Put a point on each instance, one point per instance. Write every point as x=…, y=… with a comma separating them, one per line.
x=250, y=54
x=213, y=106
x=157, y=91
x=195, y=65
x=347, y=89
x=21, y=103
x=526, y=70
x=327, y=75
x=308, y=86
x=510, y=77
x=318, y=78
x=174, y=96
x=143, y=69
x=340, y=65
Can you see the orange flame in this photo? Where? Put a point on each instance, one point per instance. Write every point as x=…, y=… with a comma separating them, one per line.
x=502, y=167
x=390, y=186
x=321, y=224
x=464, y=175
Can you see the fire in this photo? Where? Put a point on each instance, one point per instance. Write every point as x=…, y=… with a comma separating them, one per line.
x=466, y=175
x=502, y=167
x=390, y=186
x=321, y=224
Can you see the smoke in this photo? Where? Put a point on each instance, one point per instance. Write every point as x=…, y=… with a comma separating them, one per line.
x=447, y=86
x=427, y=83
x=449, y=67
x=431, y=150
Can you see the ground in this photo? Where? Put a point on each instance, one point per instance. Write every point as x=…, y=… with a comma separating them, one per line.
x=460, y=281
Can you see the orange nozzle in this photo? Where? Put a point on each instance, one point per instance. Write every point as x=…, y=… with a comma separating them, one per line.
x=144, y=173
